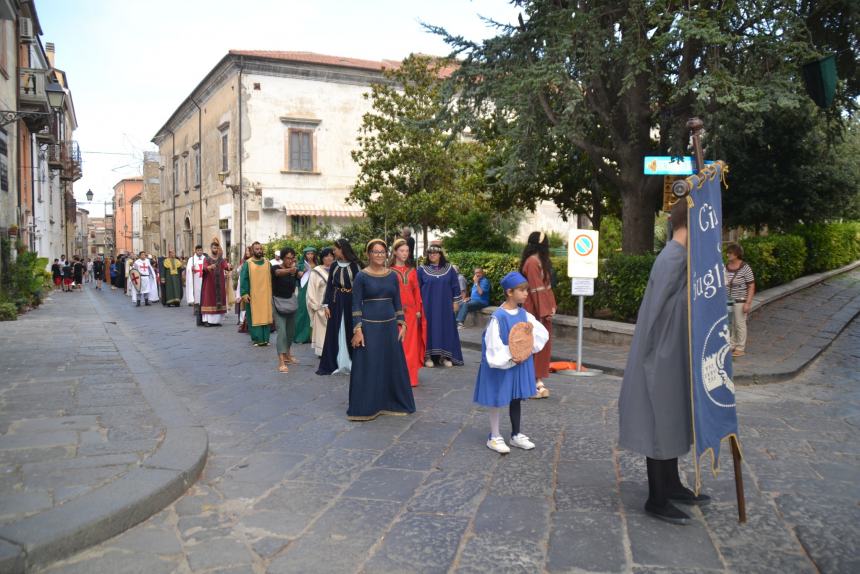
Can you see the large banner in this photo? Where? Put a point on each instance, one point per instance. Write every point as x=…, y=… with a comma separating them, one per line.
x=713, y=392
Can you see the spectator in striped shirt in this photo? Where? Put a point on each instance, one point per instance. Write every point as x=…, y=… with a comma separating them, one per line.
x=740, y=284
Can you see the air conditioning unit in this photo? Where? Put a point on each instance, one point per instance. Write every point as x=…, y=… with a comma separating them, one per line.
x=271, y=203
x=25, y=30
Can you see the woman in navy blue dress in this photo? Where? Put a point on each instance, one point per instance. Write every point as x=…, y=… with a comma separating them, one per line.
x=379, y=381
x=337, y=353
x=440, y=293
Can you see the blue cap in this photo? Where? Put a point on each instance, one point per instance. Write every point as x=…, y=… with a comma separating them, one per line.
x=512, y=280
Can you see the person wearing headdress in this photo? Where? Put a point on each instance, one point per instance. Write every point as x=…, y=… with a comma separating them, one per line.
x=213, y=291
x=303, y=320
x=379, y=380
x=194, y=281
x=536, y=267
x=318, y=278
x=506, y=375
x=171, y=278
x=337, y=304
x=440, y=295
x=256, y=284
x=413, y=310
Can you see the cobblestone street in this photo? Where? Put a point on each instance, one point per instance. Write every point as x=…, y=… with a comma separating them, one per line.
x=291, y=486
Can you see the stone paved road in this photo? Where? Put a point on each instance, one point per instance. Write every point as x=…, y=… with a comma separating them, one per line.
x=71, y=416
x=291, y=486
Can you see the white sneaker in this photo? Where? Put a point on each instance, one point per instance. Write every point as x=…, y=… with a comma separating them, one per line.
x=497, y=444
x=447, y=363
x=522, y=441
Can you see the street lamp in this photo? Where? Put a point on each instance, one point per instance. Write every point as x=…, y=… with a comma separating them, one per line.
x=56, y=96
x=89, y=195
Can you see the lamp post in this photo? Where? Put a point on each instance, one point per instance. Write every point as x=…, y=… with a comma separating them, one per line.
x=108, y=240
x=56, y=96
x=234, y=188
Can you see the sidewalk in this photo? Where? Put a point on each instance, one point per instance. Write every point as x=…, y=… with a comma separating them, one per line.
x=785, y=331
x=90, y=436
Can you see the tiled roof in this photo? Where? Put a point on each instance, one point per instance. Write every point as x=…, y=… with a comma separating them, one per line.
x=312, y=58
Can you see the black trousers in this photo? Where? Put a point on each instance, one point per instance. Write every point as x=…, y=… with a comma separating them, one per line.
x=663, y=480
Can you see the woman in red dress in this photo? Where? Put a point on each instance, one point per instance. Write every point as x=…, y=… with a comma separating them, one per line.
x=536, y=267
x=410, y=297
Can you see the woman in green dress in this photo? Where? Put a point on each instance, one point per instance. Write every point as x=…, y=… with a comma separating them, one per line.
x=303, y=320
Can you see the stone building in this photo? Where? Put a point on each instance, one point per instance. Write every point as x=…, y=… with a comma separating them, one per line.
x=151, y=204
x=125, y=191
x=261, y=148
x=39, y=160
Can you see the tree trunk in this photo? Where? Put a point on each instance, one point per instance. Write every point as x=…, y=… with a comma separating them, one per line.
x=637, y=213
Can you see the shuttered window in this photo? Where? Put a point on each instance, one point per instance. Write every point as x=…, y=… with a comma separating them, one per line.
x=301, y=150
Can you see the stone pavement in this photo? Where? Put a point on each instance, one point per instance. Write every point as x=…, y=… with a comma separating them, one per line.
x=84, y=453
x=291, y=486
x=784, y=335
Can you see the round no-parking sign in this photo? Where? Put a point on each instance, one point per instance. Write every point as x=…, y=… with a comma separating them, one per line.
x=582, y=253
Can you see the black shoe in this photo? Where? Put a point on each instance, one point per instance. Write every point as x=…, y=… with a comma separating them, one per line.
x=667, y=512
x=147, y=303
x=687, y=496
x=138, y=304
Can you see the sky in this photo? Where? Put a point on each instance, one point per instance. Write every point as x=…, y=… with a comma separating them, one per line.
x=131, y=63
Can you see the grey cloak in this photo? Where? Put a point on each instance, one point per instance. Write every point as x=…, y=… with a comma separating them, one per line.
x=654, y=405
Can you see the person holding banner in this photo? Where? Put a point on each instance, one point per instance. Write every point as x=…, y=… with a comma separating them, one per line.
x=654, y=404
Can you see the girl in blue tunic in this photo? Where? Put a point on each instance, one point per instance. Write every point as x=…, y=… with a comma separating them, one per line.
x=379, y=381
x=501, y=380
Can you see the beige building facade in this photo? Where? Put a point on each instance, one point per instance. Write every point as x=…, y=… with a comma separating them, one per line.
x=261, y=148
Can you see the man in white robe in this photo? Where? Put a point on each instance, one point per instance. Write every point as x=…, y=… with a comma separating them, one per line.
x=148, y=288
x=194, y=281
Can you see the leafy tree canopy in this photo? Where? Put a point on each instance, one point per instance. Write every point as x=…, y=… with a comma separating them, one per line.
x=606, y=83
x=415, y=171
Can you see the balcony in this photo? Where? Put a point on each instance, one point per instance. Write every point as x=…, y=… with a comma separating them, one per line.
x=31, y=93
x=49, y=134
x=65, y=156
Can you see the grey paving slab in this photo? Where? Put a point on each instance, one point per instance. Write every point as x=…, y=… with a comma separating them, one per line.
x=68, y=440
x=301, y=489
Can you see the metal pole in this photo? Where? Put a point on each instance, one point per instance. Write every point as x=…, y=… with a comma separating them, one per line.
x=579, y=334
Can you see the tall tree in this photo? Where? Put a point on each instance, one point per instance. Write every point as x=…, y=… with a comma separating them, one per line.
x=618, y=80
x=413, y=171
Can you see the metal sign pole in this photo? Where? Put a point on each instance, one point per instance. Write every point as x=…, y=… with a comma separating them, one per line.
x=579, y=334
x=581, y=319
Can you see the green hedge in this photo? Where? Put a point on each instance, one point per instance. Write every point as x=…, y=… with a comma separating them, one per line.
x=830, y=245
x=775, y=259
x=8, y=311
x=619, y=288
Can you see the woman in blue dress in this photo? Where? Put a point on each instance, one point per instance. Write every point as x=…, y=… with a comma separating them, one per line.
x=379, y=381
x=337, y=353
x=440, y=293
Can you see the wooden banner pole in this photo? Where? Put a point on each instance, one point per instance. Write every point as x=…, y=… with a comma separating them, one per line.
x=739, y=481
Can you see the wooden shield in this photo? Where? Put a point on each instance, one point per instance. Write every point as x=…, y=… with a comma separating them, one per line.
x=134, y=277
x=521, y=341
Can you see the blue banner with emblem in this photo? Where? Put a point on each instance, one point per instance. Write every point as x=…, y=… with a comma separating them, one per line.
x=713, y=391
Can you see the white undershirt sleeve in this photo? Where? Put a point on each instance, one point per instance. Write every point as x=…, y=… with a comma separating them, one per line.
x=498, y=354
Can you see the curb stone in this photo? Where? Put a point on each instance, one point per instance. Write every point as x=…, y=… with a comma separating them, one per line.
x=98, y=515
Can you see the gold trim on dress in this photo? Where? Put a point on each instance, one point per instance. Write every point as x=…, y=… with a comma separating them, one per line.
x=384, y=273
x=371, y=417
